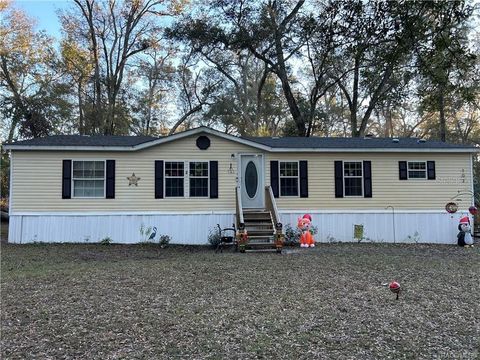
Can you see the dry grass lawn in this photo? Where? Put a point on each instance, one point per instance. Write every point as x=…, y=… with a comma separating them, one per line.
x=110, y=302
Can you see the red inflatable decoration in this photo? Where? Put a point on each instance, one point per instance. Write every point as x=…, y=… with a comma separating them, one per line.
x=473, y=210
x=306, y=239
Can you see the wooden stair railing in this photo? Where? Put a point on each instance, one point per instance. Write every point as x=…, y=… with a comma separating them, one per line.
x=241, y=234
x=271, y=206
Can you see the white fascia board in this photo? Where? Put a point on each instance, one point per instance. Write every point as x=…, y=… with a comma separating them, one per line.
x=370, y=150
x=144, y=145
x=68, y=148
x=245, y=142
x=202, y=130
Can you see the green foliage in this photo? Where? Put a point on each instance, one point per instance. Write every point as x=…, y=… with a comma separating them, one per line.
x=292, y=235
x=106, y=241
x=214, y=237
x=164, y=240
x=4, y=179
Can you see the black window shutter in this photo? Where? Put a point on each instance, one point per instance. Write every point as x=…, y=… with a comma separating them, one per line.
x=431, y=170
x=303, y=179
x=67, y=179
x=158, y=179
x=338, y=179
x=274, y=182
x=110, y=180
x=402, y=170
x=367, y=179
x=213, y=179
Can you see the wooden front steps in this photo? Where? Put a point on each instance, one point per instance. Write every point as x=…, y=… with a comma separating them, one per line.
x=260, y=229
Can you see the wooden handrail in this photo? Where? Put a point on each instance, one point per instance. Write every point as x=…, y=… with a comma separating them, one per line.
x=272, y=206
x=239, y=209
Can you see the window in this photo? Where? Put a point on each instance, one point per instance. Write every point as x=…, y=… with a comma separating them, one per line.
x=184, y=178
x=88, y=178
x=174, y=179
x=198, y=174
x=353, y=178
x=289, y=178
x=417, y=170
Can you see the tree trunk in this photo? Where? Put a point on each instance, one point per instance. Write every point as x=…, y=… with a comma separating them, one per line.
x=441, y=108
x=81, y=119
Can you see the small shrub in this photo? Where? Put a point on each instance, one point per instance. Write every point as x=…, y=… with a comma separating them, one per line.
x=214, y=237
x=331, y=239
x=292, y=235
x=106, y=241
x=164, y=240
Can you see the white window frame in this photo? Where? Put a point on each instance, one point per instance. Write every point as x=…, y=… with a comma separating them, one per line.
x=288, y=177
x=104, y=179
x=352, y=177
x=199, y=177
x=186, y=179
x=417, y=161
x=174, y=177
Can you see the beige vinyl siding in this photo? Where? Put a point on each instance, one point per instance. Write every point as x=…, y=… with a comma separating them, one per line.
x=387, y=189
x=37, y=180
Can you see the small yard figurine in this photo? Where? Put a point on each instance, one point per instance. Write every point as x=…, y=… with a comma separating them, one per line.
x=153, y=234
x=464, y=237
x=395, y=288
x=306, y=239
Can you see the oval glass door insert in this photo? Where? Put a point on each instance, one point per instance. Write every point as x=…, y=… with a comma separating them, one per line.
x=251, y=179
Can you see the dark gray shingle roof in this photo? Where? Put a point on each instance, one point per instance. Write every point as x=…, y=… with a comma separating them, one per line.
x=273, y=142
x=84, y=140
x=353, y=143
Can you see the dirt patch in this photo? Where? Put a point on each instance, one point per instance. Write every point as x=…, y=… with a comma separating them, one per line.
x=92, y=301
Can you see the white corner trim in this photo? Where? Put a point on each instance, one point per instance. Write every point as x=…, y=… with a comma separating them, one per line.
x=473, y=185
x=10, y=185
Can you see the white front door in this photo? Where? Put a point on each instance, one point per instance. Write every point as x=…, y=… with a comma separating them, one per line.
x=252, y=181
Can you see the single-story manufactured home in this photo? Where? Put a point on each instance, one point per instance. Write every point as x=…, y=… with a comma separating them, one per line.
x=73, y=188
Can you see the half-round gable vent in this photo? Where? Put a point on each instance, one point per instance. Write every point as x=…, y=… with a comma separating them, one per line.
x=203, y=142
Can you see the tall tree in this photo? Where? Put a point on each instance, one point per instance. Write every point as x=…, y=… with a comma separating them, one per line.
x=33, y=99
x=115, y=33
x=154, y=75
x=445, y=60
x=375, y=40
x=278, y=33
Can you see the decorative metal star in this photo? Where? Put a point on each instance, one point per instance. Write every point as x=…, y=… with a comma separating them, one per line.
x=133, y=180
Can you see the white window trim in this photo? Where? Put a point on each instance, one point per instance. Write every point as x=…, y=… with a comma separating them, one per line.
x=72, y=186
x=288, y=177
x=417, y=161
x=186, y=179
x=356, y=177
